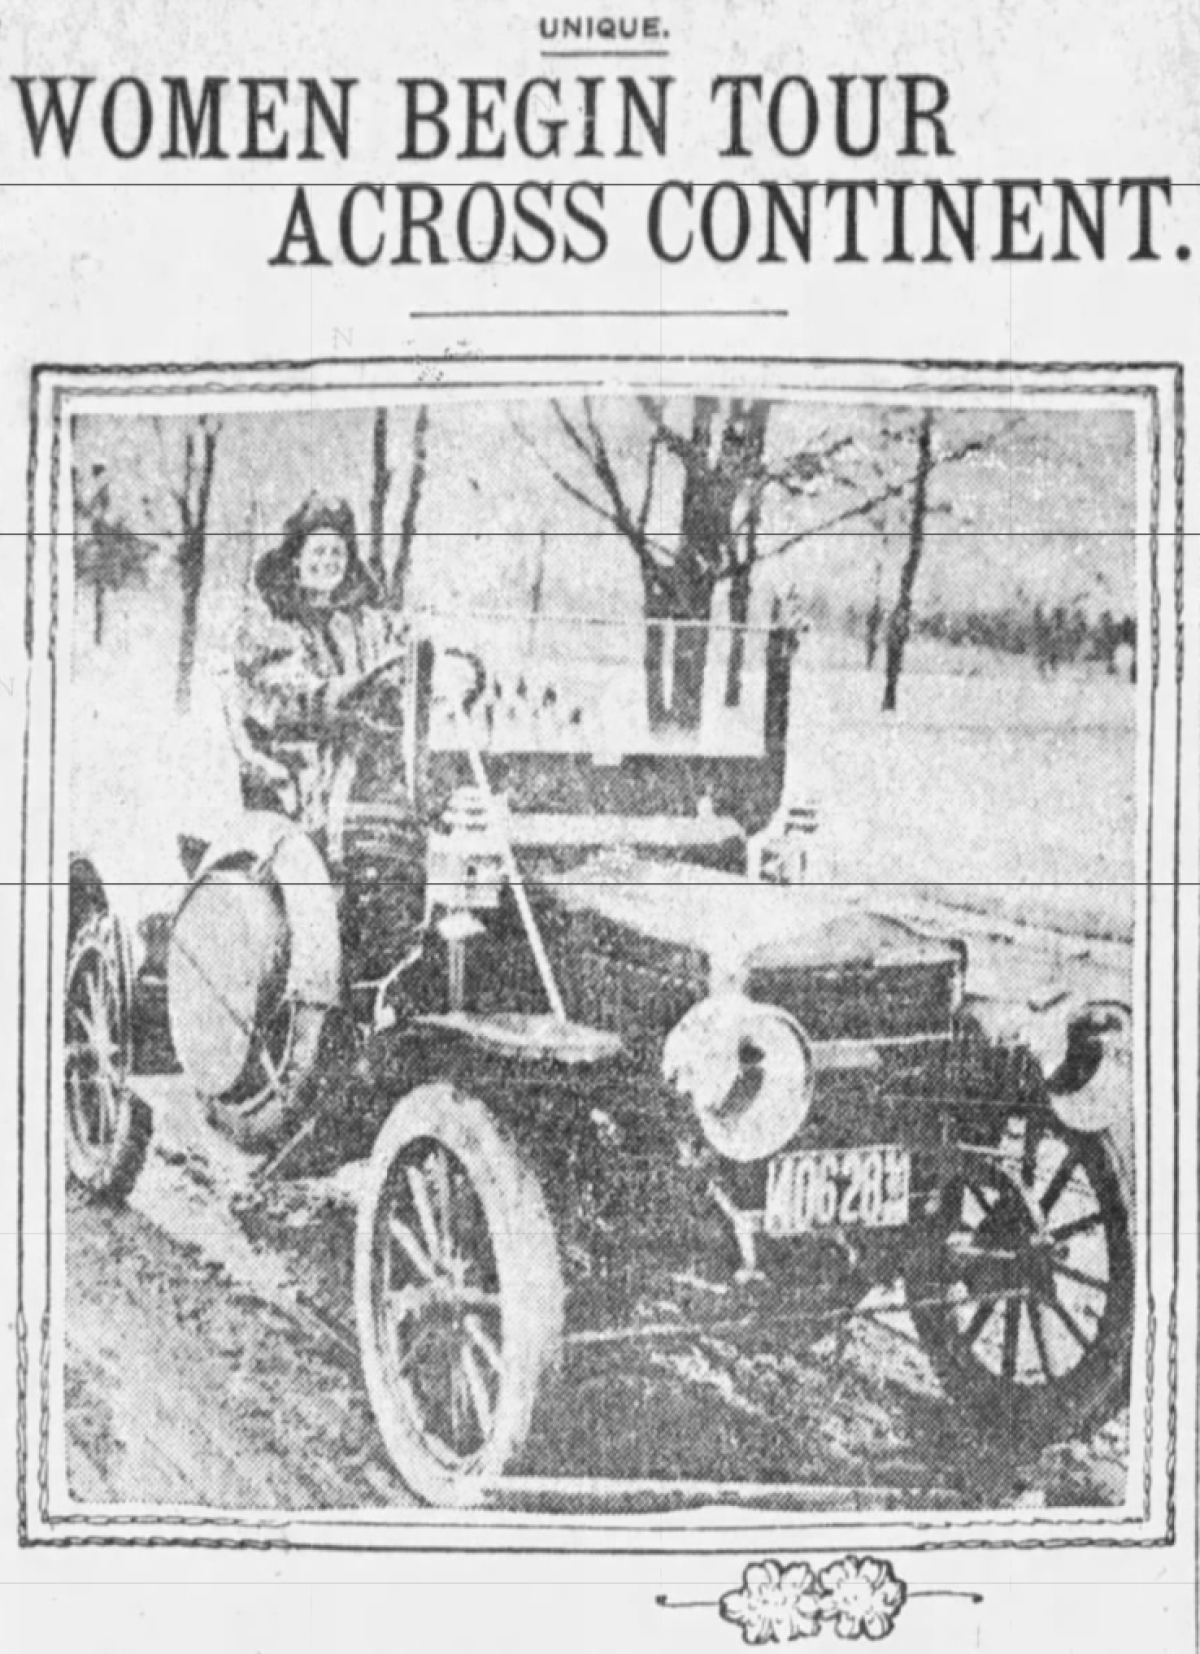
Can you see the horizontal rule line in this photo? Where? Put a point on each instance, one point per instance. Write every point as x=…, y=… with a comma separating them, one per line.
x=349, y=179
x=560, y=315
x=672, y=533
x=610, y=52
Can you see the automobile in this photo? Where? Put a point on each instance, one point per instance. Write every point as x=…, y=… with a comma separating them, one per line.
x=556, y=968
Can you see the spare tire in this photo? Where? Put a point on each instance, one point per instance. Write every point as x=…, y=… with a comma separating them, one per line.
x=246, y=1042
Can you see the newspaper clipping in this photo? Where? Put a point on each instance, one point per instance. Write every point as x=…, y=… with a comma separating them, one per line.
x=601, y=840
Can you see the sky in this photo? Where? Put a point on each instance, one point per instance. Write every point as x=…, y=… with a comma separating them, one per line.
x=1046, y=513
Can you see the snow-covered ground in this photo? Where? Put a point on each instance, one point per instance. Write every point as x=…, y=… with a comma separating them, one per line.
x=1018, y=790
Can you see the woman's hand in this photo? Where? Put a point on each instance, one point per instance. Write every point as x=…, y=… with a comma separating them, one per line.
x=345, y=691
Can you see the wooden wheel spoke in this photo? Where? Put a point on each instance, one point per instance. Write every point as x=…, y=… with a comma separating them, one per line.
x=1077, y=1226
x=92, y=1038
x=474, y=1297
x=412, y=1248
x=430, y=1235
x=82, y=1067
x=102, y=1016
x=983, y=1314
x=980, y=1193
x=1098, y=1283
x=439, y=1182
x=487, y=1346
x=1029, y=1151
x=421, y=1341
x=1012, y=1331
x=1034, y=1309
x=477, y=1389
x=94, y=994
x=459, y=1400
x=94, y=1016
x=1056, y=1307
x=1058, y=1183
x=267, y=1063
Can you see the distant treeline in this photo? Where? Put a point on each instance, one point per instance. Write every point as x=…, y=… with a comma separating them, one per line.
x=1049, y=635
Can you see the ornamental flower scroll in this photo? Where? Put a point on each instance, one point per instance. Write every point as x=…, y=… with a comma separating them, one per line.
x=858, y=1596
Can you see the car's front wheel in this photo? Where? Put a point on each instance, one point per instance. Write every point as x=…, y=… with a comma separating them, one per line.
x=1022, y=1286
x=459, y=1294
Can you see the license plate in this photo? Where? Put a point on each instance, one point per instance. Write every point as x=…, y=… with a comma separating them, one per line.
x=859, y=1188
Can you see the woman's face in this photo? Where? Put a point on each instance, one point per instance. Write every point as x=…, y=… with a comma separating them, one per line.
x=323, y=560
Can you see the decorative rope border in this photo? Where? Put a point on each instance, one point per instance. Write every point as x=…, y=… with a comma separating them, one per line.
x=430, y=379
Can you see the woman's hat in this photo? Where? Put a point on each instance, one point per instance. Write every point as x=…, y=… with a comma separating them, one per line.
x=277, y=572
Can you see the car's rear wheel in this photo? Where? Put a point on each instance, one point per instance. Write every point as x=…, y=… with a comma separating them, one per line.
x=248, y=1045
x=1022, y=1288
x=108, y=1127
x=459, y=1294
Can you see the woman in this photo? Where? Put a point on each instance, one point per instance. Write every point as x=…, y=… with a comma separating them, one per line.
x=305, y=648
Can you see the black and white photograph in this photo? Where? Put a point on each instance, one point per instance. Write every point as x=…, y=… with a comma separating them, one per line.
x=603, y=963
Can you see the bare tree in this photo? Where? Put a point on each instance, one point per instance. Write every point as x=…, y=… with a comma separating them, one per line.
x=721, y=452
x=192, y=499
x=900, y=623
x=913, y=453
x=390, y=570
x=874, y=621
x=110, y=555
x=381, y=487
x=896, y=472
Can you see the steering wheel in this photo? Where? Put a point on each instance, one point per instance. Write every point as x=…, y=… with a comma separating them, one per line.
x=376, y=700
x=463, y=679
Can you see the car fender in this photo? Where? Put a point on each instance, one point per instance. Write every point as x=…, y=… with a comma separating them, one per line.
x=309, y=896
x=130, y=889
x=1084, y=1048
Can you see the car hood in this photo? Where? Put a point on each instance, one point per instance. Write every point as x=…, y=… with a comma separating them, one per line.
x=740, y=923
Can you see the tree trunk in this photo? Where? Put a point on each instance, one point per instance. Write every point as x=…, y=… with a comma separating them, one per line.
x=739, y=614
x=781, y=650
x=194, y=500
x=412, y=505
x=721, y=457
x=676, y=651
x=743, y=449
x=191, y=578
x=381, y=482
x=98, y=612
x=900, y=625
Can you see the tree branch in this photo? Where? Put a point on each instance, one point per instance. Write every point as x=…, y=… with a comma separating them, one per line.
x=211, y=432
x=894, y=491
x=650, y=552
x=679, y=446
x=651, y=476
x=563, y=481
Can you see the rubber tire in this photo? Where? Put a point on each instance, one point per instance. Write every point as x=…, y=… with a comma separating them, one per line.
x=259, y=1121
x=110, y=1176
x=526, y=1251
x=262, y=1124
x=1029, y=1417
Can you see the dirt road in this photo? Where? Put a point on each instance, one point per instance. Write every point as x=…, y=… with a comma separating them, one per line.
x=184, y=1387
x=212, y=1363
